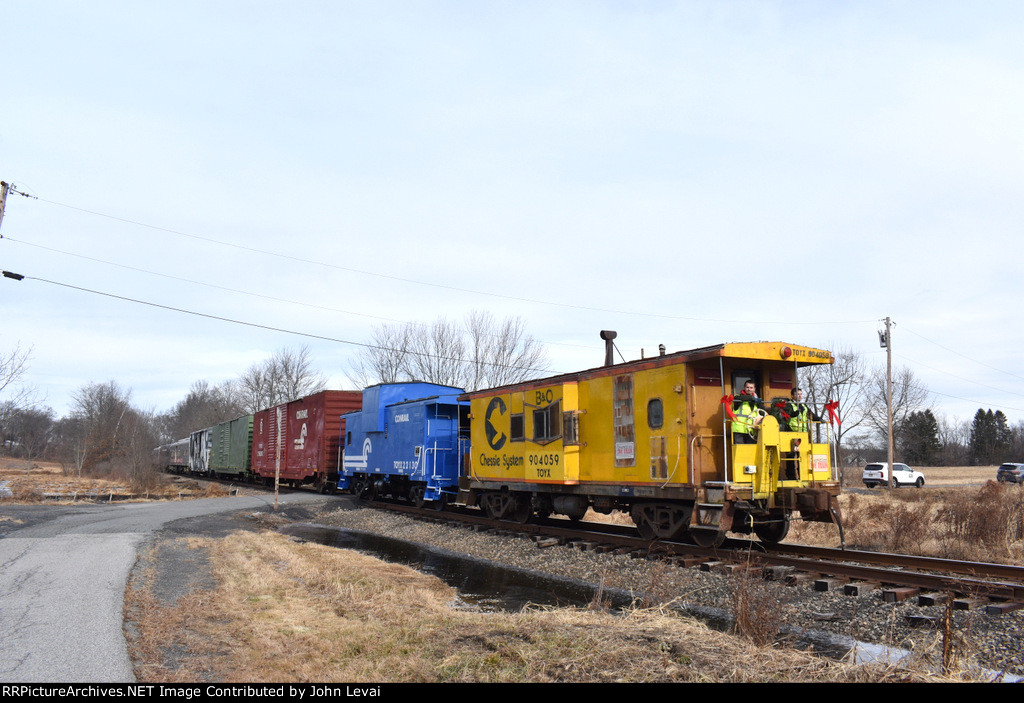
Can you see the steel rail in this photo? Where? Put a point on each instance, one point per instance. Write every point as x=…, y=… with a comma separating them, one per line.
x=970, y=568
x=872, y=567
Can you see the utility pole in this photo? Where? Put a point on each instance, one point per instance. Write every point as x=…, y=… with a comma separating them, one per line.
x=6, y=187
x=885, y=339
x=3, y=200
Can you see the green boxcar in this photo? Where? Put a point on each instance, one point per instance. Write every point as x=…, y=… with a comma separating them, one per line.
x=231, y=450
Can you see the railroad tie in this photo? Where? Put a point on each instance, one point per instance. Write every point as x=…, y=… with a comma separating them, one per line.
x=895, y=595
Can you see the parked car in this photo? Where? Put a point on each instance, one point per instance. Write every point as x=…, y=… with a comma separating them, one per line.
x=1010, y=473
x=878, y=475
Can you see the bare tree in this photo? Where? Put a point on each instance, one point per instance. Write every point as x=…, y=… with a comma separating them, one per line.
x=295, y=375
x=26, y=432
x=437, y=354
x=98, y=411
x=13, y=366
x=135, y=450
x=15, y=396
x=383, y=360
x=287, y=375
x=845, y=382
x=502, y=352
x=908, y=395
x=477, y=354
x=955, y=438
x=204, y=406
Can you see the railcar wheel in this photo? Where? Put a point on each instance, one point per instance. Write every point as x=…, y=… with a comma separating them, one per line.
x=644, y=528
x=374, y=489
x=360, y=487
x=417, y=495
x=774, y=530
x=659, y=521
x=521, y=509
x=488, y=503
x=706, y=538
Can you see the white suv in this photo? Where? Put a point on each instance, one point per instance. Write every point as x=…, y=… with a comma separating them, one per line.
x=903, y=475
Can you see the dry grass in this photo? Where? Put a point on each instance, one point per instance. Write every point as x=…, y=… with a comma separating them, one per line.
x=979, y=523
x=949, y=475
x=292, y=612
x=36, y=482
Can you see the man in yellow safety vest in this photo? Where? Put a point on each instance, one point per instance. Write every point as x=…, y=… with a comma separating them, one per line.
x=800, y=415
x=747, y=414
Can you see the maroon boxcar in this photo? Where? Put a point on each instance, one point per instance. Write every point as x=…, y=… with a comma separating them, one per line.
x=301, y=437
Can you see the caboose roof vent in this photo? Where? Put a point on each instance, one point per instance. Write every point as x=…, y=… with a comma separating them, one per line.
x=609, y=346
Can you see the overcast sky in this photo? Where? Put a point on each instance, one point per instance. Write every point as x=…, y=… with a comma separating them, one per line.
x=686, y=173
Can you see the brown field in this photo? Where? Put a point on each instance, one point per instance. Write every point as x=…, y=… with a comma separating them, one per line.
x=36, y=481
x=284, y=611
x=302, y=612
x=938, y=475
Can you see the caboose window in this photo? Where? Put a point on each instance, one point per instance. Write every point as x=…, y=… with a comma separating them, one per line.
x=655, y=413
x=547, y=423
x=517, y=427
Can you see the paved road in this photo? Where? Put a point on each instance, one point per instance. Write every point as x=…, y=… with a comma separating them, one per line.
x=62, y=582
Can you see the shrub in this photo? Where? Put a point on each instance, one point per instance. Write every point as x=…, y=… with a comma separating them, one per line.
x=985, y=521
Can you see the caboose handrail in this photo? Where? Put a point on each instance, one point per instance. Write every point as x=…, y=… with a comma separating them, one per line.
x=675, y=467
x=693, y=440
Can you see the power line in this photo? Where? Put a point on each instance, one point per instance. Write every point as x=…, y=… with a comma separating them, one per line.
x=968, y=380
x=953, y=351
x=240, y=291
x=980, y=403
x=459, y=289
x=19, y=277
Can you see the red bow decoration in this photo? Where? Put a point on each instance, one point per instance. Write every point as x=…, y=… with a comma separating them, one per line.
x=727, y=402
x=833, y=414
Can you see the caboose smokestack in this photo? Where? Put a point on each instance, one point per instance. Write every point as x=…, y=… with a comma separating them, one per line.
x=609, y=346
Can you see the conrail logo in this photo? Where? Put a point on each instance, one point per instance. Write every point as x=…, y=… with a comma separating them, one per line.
x=495, y=438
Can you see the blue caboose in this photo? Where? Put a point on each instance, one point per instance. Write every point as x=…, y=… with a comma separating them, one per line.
x=406, y=442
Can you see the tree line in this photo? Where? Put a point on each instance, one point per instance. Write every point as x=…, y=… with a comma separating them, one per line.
x=106, y=433
x=920, y=435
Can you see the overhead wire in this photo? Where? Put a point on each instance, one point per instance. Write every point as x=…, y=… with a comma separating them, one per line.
x=968, y=380
x=953, y=351
x=239, y=291
x=19, y=277
x=348, y=269
x=331, y=265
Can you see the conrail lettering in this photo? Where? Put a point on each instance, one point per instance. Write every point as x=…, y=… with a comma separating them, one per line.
x=404, y=417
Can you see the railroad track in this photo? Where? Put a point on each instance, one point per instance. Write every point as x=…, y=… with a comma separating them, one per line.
x=996, y=588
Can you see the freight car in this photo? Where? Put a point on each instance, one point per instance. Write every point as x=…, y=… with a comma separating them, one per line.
x=654, y=438
x=406, y=442
x=173, y=457
x=297, y=442
x=199, y=452
x=231, y=448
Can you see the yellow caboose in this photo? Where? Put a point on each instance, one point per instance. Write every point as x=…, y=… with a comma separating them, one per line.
x=657, y=438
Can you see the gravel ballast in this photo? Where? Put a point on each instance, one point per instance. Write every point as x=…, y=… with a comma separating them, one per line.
x=992, y=641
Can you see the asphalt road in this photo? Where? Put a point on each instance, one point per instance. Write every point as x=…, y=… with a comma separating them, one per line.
x=63, y=572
